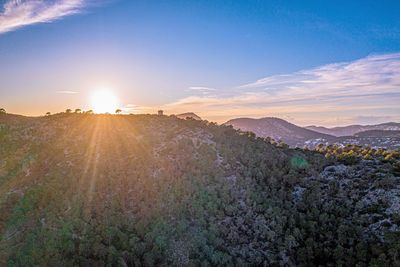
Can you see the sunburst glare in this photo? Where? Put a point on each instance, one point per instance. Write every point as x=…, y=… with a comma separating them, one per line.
x=104, y=101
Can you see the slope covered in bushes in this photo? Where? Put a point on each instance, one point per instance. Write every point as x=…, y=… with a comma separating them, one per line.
x=144, y=190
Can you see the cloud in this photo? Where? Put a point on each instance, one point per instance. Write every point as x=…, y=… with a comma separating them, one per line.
x=201, y=88
x=131, y=106
x=357, y=77
x=136, y=109
x=366, y=87
x=67, y=92
x=20, y=13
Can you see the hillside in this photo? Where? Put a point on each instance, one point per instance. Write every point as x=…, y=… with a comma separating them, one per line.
x=147, y=190
x=277, y=129
x=353, y=129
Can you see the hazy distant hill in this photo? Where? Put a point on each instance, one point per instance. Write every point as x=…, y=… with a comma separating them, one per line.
x=278, y=129
x=373, y=138
x=294, y=135
x=187, y=115
x=148, y=190
x=353, y=129
x=378, y=133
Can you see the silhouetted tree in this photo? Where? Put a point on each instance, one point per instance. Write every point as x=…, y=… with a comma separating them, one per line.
x=78, y=110
x=118, y=111
x=89, y=111
x=68, y=110
x=48, y=113
x=2, y=110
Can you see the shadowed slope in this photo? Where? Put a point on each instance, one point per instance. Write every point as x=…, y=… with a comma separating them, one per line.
x=144, y=190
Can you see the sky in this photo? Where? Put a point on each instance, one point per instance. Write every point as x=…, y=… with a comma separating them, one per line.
x=325, y=63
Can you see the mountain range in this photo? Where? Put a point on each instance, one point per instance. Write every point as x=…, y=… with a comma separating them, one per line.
x=353, y=129
x=384, y=135
x=278, y=129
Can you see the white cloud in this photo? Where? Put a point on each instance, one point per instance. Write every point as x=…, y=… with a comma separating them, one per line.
x=377, y=73
x=366, y=87
x=201, y=88
x=131, y=106
x=20, y=13
x=67, y=92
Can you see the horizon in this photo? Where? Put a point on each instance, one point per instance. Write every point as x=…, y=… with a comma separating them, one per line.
x=327, y=64
x=83, y=112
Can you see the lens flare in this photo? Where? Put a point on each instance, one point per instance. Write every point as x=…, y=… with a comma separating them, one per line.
x=104, y=101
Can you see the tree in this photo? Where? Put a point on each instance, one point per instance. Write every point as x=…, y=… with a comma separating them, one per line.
x=78, y=110
x=89, y=111
x=2, y=111
x=48, y=113
x=118, y=111
x=68, y=110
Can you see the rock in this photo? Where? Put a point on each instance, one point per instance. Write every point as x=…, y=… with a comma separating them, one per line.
x=297, y=193
x=333, y=172
x=335, y=169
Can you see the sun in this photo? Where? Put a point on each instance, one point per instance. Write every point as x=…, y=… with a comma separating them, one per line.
x=104, y=101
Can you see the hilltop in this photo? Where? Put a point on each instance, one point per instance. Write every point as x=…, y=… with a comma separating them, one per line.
x=189, y=115
x=146, y=190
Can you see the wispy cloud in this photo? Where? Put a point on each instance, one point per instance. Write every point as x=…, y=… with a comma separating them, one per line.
x=201, y=88
x=67, y=92
x=130, y=108
x=366, y=87
x=357, y=77
x=20, y=13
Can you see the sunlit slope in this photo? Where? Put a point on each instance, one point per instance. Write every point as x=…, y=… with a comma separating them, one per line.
x=80, y=189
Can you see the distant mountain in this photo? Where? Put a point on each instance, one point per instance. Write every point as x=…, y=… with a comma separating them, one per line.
x=378, y=133
x=278, y=129
x=189, y=115
x=353, y=129
x=373, y=138
x=382, y=135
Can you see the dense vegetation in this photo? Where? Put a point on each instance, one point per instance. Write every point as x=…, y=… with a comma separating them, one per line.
x=351, y=154
x=145, y=190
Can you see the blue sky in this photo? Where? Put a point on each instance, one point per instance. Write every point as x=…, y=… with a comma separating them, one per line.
x=220, y=59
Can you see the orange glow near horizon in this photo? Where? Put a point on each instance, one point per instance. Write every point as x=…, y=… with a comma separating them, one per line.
x=104, y=101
